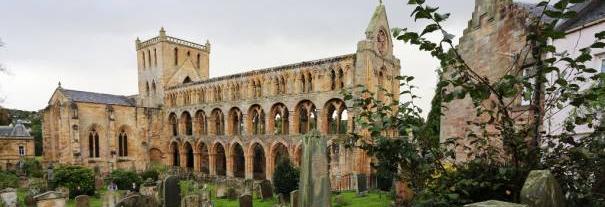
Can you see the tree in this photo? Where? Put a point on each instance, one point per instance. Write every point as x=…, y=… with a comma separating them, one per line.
x=492, y=171
x=5, y=118
x=80, y=180
x=285, y=178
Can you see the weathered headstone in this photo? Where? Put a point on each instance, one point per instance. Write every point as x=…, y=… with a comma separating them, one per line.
x=50, y=199
x=82, y=201
x=8, y=197
x=362, y=184
x=314, y=181
x=248, y=186
x=63, y=190
x=541, y=189
x=221, y=191
x=494, y=204
x=294, y=199
x=136, y=200
x=111, y=198
x=192, y=200
x=172, y=192
x=245, y=200
x=205, y=195
x=266, y=189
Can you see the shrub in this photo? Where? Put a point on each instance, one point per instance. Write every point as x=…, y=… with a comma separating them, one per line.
x=188, y=187
x=285, y=178
x=150, y=173
x=33, y=168
x=80, y=180
x=8, y=180
x=124, y=179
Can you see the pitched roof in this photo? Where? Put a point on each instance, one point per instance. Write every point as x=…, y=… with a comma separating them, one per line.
x=100, y=98
x=19, y=130
x=587, y=12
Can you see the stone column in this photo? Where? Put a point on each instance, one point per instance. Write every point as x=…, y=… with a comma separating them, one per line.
x=182, y=159
x=229, y=161
x=212, y=163
x=249, y=166
x=197, y=161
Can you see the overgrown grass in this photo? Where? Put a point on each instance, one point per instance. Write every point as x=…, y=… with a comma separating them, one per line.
x=373, y=199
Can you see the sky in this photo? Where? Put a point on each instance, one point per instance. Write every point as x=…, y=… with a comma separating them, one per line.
x=89, y=45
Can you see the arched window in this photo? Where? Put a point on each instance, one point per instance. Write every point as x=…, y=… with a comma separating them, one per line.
x=93, y=143
x=188, y=123
x=149, y=57
x=332, y=80
x=176, y=56
x=307, y=117
x=174, y=124
x=198, y=61
x=123, y=144
x=202, y=124
x=309, y=83
x=279, y=114
x=303, y=81
x=257, y=118
x=153, y=87
x=155, y=57
x=341, y=78
x=283, y=85
x=336, y=116
x=219, y=122
x=237, y=124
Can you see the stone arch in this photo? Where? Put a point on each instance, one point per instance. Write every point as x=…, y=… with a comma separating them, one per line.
x=187, y=123
x=278, y=121
x=189, y=159
x=258, y=161
x=94, y=141
x=218, y=120
x=306, y=116
x=201, y=122
x=155, y=155
x=123, y=133
x=238, y=161
x=335, y=116
x=279, y=152
x=204, y=158
x=174, y=124
x=220, y=160
x=256, y=119
x=176, y=156
x=236, y=122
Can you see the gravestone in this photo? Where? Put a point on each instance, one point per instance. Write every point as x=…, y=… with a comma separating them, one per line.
x=111, y=198
x=63, y=190
x=248, y=186
x=494, y=204
x=8, y=197
x=294, y=198
x=191, y=201
x=82, y=201
x=362, y=184
x=281, y=199
x=50, y=199
x=135, y=200
x=205, y=195
x=266, y=189
x=172, y=192
x=314, y=181
x=221, y=191
x=99, y=183
x=245, y=200
x=541, y=189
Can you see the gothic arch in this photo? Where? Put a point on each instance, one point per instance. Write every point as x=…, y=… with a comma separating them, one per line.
x=335, y=116
x=175, y=151
x=122, y=138
x=279, y=153
x=256, y=119
x=238, y=161
x=220, y=160
x=204, y=160
x=236, y=122
x=218, y=120
x=258, y=161
x=94, y=141
x=187, y=123
x=306, y=116
x=174, y=124
x=189, y=160
x=279, y=119
x=155, y=155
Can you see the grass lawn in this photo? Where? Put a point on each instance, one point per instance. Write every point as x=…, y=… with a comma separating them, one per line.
x=373, y=199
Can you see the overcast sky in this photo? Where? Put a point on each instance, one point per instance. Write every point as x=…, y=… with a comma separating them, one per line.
x=89, y=45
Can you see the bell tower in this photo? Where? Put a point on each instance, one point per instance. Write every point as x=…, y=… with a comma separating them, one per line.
x=166, y=61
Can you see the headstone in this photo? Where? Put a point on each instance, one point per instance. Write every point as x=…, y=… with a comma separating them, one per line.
x=281, y=199
x=248, y=186
x=266, y=189
x=9, y=197
x=151, y=191
x=541, y=189
x=221, y=191
x=245, y=200
x=494, y=204
x=192, y=200
x=82, y=201
x=50, y=199
x=172, y=192
x=205, y=195
x=135, y=200
x=111, y=198
x=314, y=181
x=99, y=183
x=294, y=199
x=362, y=183
x=63, y=190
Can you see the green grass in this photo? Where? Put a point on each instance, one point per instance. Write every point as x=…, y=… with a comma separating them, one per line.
x=373, y=199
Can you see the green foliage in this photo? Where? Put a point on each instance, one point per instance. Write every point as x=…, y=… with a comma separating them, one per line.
x=188, y=187
x=150, y=173
x=78, y=179
x=492, y=171
x=125, y=178
x=8, y=180
x=5, y=118
x=33, y=168
x=36, y=132
x=285, y=178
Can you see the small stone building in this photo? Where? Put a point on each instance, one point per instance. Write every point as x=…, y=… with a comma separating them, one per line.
x=239, y=125
x=16, y=144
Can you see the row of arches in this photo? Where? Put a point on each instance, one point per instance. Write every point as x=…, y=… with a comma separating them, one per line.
x=255, y=121
x=255, y=160
x=303, y=81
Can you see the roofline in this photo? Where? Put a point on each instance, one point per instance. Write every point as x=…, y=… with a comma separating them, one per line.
x=16, y=137
x=267, y=70
x=584, y=26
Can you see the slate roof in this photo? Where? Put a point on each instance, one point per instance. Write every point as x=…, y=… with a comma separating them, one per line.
x=100, y=98
x=534, y=10
x=19, y=130
x=587, y=12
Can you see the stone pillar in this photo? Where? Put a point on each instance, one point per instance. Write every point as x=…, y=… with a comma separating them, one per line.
x=229, y=161
x=249, y=166
x=182, y=158
x=197, y=161
x=321, y=122
x=212, y=163
x=293, y=121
